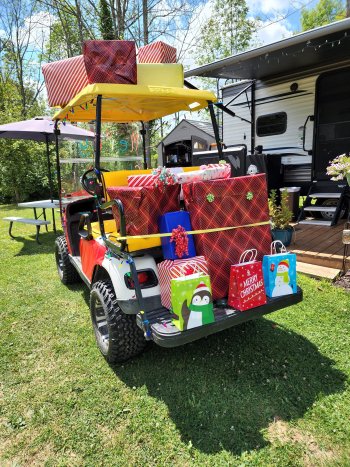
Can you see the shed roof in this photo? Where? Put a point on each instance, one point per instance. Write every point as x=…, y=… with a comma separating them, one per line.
x=207, y=127
x=310, y=50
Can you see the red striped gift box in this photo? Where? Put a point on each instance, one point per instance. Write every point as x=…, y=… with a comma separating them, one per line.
x=141, y=180
x=169, y=269
x=157, y=52
x=64, y=79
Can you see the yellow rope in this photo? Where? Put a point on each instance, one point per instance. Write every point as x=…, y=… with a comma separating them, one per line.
x=190, y=232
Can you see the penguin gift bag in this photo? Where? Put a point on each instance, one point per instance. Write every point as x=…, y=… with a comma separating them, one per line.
x=280, y=271
x=192, y=302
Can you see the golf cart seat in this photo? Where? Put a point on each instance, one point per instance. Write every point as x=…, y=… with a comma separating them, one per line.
x=133, y=245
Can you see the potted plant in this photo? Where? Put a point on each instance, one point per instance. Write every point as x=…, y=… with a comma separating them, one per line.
x=339, y=168
x=281, y=217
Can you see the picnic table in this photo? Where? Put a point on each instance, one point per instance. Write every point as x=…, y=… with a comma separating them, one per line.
x=43, y=205
x=49, y=204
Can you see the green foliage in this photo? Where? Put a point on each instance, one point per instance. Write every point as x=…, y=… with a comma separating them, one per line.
x=324, y=12
x=23, y=165
x=106, y=22
x=63, y=40
x=280, y=214
x=227, y=32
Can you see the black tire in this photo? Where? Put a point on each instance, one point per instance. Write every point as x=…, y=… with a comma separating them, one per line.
x=117, y=335
x=329, y=202
x=66, y=271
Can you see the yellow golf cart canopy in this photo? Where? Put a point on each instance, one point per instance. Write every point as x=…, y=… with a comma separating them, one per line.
x=128, y=103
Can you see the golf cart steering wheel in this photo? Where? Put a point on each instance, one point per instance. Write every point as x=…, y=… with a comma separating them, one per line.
x=91, y=185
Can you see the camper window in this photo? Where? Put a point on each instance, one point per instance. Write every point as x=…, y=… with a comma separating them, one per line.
x=271, y=124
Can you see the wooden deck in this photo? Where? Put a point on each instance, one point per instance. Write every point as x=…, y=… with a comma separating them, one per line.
x=319, y=245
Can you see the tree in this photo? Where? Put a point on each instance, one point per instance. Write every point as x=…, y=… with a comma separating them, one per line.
x=227, y=32
x=23, y=165
x=325, y=12
x=106, y=22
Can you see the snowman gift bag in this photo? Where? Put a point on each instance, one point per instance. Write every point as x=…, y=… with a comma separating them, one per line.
x=191, y=300
x=246, y=288
x=280, y=271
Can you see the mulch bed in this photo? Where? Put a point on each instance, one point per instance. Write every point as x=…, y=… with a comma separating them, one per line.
x=344, y=281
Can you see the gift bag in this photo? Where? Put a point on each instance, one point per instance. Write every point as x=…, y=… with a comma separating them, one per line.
x=280, y=271
x=168, y=270
x=191, y=301
x=246, y=289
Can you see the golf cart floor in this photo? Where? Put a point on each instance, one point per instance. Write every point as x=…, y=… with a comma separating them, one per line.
x=166, y=334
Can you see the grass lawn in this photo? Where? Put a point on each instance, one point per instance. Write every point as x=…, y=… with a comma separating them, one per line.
x=273, y=392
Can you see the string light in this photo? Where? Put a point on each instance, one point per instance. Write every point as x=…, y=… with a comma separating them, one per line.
x=316, y=47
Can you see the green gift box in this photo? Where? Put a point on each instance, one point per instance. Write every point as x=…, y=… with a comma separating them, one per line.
x=191, y=301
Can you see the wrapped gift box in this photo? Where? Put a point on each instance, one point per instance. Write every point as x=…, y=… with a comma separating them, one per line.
x=227, y=203
x=168, y=270
x=144, y=205
x=64, y=79
x=157, y=52
x=141, y=180
x=110, y=61
x=102, y=62
x=210, y=172
x=170, y=221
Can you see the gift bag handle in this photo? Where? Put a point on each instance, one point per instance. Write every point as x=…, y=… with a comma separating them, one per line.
x=274, y=244
x=253, y=254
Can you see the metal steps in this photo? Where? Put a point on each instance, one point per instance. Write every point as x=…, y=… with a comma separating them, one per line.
x=325, y=195
x=320, y=208
x=329, y=211
x=316, y=222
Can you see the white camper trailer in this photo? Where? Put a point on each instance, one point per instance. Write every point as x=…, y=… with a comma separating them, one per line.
x=289, y=103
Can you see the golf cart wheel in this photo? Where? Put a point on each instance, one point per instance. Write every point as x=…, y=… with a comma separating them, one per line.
x=117, y=334
x=66, y=270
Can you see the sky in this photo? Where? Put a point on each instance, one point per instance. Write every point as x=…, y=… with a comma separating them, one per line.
x=278, y=19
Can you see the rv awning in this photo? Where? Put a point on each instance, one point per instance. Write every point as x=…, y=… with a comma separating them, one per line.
x=132, y=103
x=311, y=50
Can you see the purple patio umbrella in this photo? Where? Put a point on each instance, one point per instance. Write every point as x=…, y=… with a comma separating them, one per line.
x=41, y=129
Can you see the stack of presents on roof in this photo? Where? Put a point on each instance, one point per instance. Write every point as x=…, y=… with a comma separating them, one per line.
x=113, y=62
x=214, y=228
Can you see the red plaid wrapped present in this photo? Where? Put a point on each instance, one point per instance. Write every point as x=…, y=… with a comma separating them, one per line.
x=168, y=270
x=64, y=79
x=144, y=205
x=110, y=61
x=157, y=52
x=247, y=288
x=227, y=203
x=141, y=180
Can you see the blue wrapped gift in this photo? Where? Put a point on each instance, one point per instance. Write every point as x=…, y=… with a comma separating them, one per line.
x=280, y=271
x=170, y=221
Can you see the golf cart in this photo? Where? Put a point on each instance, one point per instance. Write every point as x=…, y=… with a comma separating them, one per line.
x=120, y=268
